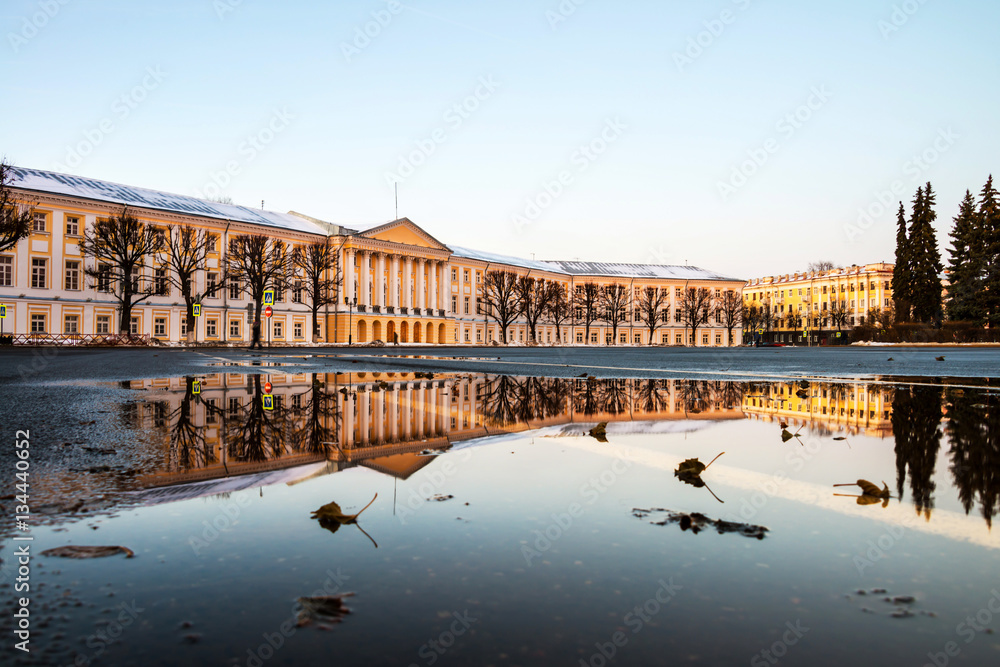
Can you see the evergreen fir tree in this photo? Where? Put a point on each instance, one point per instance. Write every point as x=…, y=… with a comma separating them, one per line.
x=925, y=259
x=988, y=243
x=965, y=265
x=901, y=272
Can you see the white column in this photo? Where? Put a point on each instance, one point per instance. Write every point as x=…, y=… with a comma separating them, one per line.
x=380, y=282
x=349, y=274
x=394, y=283
x=444, y=287
x=408, y=284
x=366, y=279
x=421, y=301
x=432, y=291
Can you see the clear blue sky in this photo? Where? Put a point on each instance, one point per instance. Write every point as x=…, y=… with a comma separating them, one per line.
x=334, y=116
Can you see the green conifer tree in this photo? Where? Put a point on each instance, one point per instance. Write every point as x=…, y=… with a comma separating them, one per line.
x=901, y=272
x=988, y=243
x=925, y=259
x=965, y=266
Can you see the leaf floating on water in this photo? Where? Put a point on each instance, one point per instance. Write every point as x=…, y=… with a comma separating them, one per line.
x=939, y=358
x=689, y=471
x=332, y=518
x=697, y=522
x=870, y=493
x=70, y=551
x=599, y=432
x=840, y=437
x=786, y=435
x=322, y=609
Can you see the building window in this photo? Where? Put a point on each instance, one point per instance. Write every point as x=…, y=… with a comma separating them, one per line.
x=479, y=335
x=72, y=275
x=677, y=316
x=211, y=328
x=211, y=280
x=465, y=275
x=466, y=305
x=466, y=334
x=638, y=339
x=579, y=336
x=297, y=292
x=71, y=324
x=72, y=225
x=136, y=274
x=134, y=325
x=593, y=338
x=213, y=243
x=454, y=275
x=678, y=339
x=454, y=304
x=297, y=329
x=279, y=329
x=665, y=339
x=234, y=328
x=104, y=278
x=38, y=222
x=160, y=282
x=234, y=289
x=184, y=325
x=38, y=265
x=718, y=339
x=103, y=324
x=279, y=294
x=38, y=323
x=6, y=270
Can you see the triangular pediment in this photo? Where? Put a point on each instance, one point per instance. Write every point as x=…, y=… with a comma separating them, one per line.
x=404, y=232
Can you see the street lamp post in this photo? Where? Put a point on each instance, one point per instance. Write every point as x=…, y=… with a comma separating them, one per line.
x=350, y=318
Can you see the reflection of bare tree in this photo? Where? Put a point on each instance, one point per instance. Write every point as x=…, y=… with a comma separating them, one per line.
x=253, y=433
x=188, y=448
x=972, y=428
x=730, y=394
x=652, y=395
x=585, y=397
x=507, y=400
x=916, y=421
x=313, y=419
x=500, y=401
x=694, y=395
x=613, y=396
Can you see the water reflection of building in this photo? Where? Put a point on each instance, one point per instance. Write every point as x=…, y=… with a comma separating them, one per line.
x=217, y=426
x=853, y=408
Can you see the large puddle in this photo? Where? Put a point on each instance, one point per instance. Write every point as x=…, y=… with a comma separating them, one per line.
x=506, y=529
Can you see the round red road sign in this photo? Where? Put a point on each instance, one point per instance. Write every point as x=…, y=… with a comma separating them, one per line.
x=267, y=387
x=267, y=311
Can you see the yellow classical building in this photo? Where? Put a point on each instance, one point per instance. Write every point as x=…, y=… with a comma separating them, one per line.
x=818, y=307
x=397, y=282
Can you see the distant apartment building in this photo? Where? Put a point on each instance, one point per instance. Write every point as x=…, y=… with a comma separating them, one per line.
x=818, y=307
x=398, y=283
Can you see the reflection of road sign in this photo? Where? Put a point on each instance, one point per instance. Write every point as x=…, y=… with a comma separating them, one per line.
x=760, y=331
x=838, y=334
x=267, y=387
x=268, y=401
x=3, y=310
x=268, y=297
x=197, y=309
x=268, y=311
x=196, y=387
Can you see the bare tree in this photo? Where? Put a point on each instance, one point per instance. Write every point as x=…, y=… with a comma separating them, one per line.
x=501, y=299
x=731, y=308
x=559, y=310
x=822, y=265
x=320, y=268
x=534, y=296
x=585, y=302
x=614, y=300
x=838, y=313
x=650, y=309
x=16, y=214
x=120, y=245
x=187, y=253
x=695, y=307
x=258, y=263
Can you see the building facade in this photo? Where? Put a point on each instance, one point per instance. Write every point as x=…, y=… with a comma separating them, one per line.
x=396, y=283
x=818, y=307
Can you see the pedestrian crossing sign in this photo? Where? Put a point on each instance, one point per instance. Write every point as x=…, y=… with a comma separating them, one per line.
x=268, y=400
x=197, y=309
x=3, y=310
x=196, y=387
x=269, y=297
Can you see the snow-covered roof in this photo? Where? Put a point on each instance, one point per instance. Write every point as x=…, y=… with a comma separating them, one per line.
x=89, y=188
x=618, y=270
x=495, y=258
